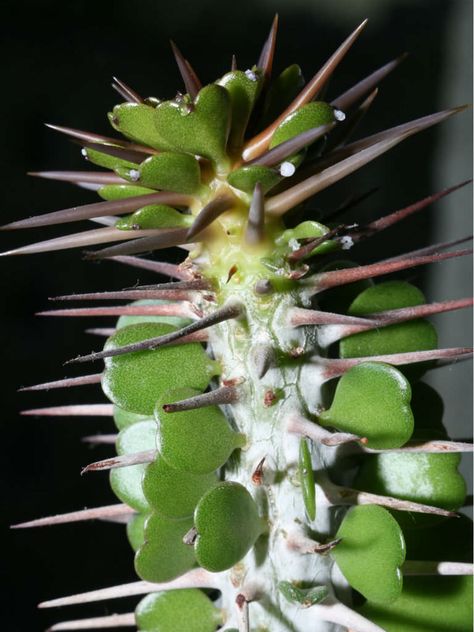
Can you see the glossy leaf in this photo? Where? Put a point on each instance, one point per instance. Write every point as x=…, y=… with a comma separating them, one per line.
x=111, y=192
x=188, y=610
x=136, y=121
x=123, y=418
x=173, y=493
x=107, y=161
x=169, y=171
x=228, y=524
x=372, y=400
x=154, y=216
x=243, y=88
x=197, y=441
x=246, y=178
x=136, y=530
x=306, y=474
x=311, y=115
x=135, y=381
x=371, y=552
x=199, y=128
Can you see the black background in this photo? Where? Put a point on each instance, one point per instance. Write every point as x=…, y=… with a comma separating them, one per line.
x=57, y=62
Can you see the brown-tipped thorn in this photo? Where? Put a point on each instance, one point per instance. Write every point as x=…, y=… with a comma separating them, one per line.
x=334, y=278
x=78, y=410
x=65, y=383
x=359, y=90
x=96, y=623
x=159, y=267
x=415, y=567
x=217, y=397
x=299, y=317
x=227, y=312
x=255, y=229
x=124, y=460
x=166, y=239
x=100, y=178
x=265, y=61
x=197, y=578
x=336, y=367
x=125, y=91
x=297, y=424
x=298, y=541
x=181, y=310
x=192, y=284
x=100, y=439
x=99, y=209
x=96, y=513
x=257, y=474
x=90, y=137
x=209, y=213
x=257, y=145
x=308, y=248
x=342, y=162
x=191, y=80
x=289, y=147
x=242, y=613
x=430, y=447
x=179, y=290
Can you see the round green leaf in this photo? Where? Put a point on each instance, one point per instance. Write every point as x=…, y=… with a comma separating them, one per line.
x=372, y=400
x=176, y=321
x=228, y=524
x=123, y=418
x=135, y=381
x=197, y=441
x=306, y=474
x=246, y=178
x=136, y=121
x=122, y=191
x=173, y=493
x=198, y=128
x=169, y=171
x=163, y=555
x=427, y=604
x=371, y=552
x=243, y=89
x=102, y=159
x=136, y=531
x=188, y=610
x=154, y=216
x=311, y=115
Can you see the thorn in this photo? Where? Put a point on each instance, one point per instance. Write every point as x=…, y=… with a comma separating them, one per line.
x=298, y=317
x=96, y=513
x=197, y=578
x=209, y=213
x=415, y=567
x=263, y=286
x=257, y=145
x=96, y=623
x=77, y=177
x=326, y=280
x=342, y=162
x=336, y=367
x=125, y=91
x=231, y=310
x=263, y=357
x=190, y=537
x=297, y=541
x=171, y=288
x=99, y=209
x=336, y=612
x=101, y=331
x=257, y=475
x=166, y=238
x=217, y=397
x=182, y=310
x=265, y=61
x=65, y=383
x=350, y=124
x=307, y=249
x=78, y=410
x=90, y=137
x=347, y=99
x=297, y=424
x=255, y=229
x=233, y=63
x=159, y=267
x=191, y=81
x=124, y=460
x=233, y=269
x=433, y=249
x=430, y=447
x=243, y=613
x=100, y=439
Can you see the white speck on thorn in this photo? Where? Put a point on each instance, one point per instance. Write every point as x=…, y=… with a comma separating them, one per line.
x=251, y=75
x=287, y=169
x=339, y=115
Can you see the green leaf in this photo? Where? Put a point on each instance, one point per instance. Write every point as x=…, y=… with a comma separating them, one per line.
x=176, y=321
x=173, y=493
x=163, y=555
x=154, y=216
x=136, y=531
x=136, y=121
x=135, y=381
x=306, y=474
x=188, y=610
x=197, y=441
x=415, y=335
x=282, y=91
x=371, y=552
x=228, y=524
x=307, y=117
x=169, y=171
x=126, y=482
x=123, y=418
x=246, y=178
x=200, y=128
x=304, y=596
x=244, y=89
x=122, y=191
x=339, y=299
x=434, y=604
x=102, y=159
x=291, y=238
x=372, y=400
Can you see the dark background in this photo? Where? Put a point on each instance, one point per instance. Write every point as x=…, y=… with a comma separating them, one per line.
x=57, y=62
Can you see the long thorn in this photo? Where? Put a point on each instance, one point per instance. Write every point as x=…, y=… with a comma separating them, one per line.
x=217, y=397
x=101, y=331
x=65, y=383
x=166, y=239
x=350, y=124
x=242, y=613
x=159, y=267
x=415, y=567
x=79, y=177
x=191, y=81
x=182, y=310
x=297, y=424
x=432, y=249
x=77, y=410
x=429, y=447
x=229, y=311
x=125, y=91
x=90, y=137
x=96, y=623
x=124, y=460
x=96, y=513
x=209, y=213
x=257, y=145
x=99, y=209
x=298, y=317
x=176, y=286
x=255, y=229
x=100, y=439
x=265, y=61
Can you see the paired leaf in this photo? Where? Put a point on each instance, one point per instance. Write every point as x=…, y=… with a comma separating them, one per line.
x=124, y=418
x=244, y=89
x=154, y=216
x=282, y=91
x=111, y=192
x=306, y=597
x=137, y=122
x=136, y=530
x=246, y=178
x=106, y=160
x=311, y=115
x=169, y=171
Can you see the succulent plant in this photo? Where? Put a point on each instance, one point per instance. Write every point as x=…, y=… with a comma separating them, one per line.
x=280, y=465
